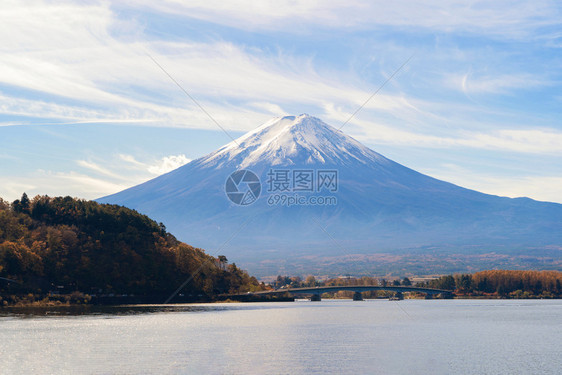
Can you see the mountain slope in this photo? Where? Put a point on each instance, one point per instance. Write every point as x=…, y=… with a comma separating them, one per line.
x=381, y=205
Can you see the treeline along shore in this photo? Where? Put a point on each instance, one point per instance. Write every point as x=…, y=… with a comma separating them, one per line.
x=502, y=283
x=484, y=284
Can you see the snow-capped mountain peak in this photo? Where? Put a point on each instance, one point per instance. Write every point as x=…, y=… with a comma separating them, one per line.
x=293, y=140
x=377, y=204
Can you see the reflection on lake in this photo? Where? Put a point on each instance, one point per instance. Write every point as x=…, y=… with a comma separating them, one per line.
x=366, y=337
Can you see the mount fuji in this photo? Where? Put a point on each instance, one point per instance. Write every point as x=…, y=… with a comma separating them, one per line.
x=309, y=198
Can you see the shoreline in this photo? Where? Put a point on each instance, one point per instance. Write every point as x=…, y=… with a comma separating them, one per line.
x=57, y=303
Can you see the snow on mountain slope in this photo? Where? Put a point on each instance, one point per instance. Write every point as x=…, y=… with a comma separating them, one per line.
x=293, y=140
x=380, y=204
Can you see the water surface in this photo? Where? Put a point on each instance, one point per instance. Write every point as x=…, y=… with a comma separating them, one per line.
x=339, y=337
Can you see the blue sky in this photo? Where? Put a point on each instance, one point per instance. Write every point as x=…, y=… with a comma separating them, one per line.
x=85, y=112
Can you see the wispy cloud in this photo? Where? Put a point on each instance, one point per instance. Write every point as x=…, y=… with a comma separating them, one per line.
x=539, y=187
x=168, y=163
x=471, y=83
x=80, y=63
x=501, y=18
x=545, y=141
x=53, y=183
x=157, y=167
x=92, y=179
x=241, y=86
x=97, y=168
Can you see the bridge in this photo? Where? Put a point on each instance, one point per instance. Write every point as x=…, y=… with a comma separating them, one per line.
x=315, y=293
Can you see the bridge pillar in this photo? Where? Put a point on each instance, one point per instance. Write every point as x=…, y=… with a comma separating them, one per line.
x=357, y=296
x=399, y=295
x=428, y=296
x=315, y=298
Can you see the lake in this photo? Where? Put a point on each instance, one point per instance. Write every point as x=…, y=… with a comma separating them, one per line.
x=331, y=336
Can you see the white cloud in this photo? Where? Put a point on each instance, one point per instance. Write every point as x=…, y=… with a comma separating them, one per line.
x=75, y=62
x=539, y=187
x=115, y=176
x=543, y=188
x=93, y=180
x=519, y=140
x=97, y=168
x=97, y=78
x=168, y=163
x=273, y=109
x=501, y=18
x=131, y=159
x=546, y=141
x=14, y=187
x=82, y=185
x=156, y=167
x=80, y=59
x=58, y=183
x=471, y=83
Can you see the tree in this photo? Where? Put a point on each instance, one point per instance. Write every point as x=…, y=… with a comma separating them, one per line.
x=222, y=261
x=24, y=202
x=406, y=282
x=483, y=285
x=282, y=281
x=501, y=290
x=296, y=282
x=21, y=205
x=464, y=282
x=538, y=287
x=444, y=282
x=310, y=281
x=4, y=205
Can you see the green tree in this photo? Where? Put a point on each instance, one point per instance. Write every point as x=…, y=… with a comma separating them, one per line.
x=444, y=282
x=222, y=261
x=21, y=205
x=310, y=281
x=500, y=290
x=484, y=285
x=4, y=205
x=464, y=282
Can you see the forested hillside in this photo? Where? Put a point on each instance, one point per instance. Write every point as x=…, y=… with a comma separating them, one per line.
x=66, y=245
